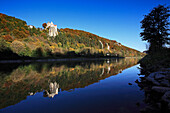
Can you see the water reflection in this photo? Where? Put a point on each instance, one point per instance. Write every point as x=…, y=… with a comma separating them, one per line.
x=28, y=79
x=53, y=90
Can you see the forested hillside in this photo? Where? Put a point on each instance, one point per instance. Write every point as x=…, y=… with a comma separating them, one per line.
x=18, y=40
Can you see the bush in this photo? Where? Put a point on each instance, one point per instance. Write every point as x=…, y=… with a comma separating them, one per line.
x=19, y=48
x=3, y=45
x=19, y=34
x=47, y=50
x=8, y=38
x=59, y=52
x=43, y=35
x=38, y=52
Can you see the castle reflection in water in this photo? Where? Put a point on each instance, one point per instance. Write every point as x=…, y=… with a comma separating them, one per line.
x=53, y=90
x=21, y=80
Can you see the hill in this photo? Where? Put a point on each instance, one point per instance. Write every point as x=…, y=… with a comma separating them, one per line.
x=18, y=40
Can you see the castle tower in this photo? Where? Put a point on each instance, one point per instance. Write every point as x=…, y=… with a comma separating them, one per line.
x=52, y=29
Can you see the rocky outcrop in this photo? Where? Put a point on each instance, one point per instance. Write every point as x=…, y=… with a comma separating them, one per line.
x=101, y=44
x=160, y=77
x=157, y=90
x=108, y=47
x=160, y=89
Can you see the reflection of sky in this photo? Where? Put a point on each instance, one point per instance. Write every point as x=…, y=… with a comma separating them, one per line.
x=114, y=19
x=110, y=94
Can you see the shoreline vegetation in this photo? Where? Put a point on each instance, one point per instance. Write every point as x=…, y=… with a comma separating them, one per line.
x=155, y=66
x=156, y=82
x=19, y=41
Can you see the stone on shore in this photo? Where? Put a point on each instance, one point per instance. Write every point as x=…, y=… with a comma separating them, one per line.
x=160, y=89
x=165, y=82
x=166, y=97
x=159, y=76
x=152, y=80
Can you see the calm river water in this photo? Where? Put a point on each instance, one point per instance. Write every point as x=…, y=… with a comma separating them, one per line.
x=96, y=86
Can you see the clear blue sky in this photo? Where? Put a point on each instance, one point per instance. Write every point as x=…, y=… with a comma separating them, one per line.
x=113, y=19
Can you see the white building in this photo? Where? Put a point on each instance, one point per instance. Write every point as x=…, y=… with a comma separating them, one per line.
x=52, y=29
x=30, y=26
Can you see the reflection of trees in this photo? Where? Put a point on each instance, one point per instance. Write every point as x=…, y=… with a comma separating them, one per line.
x=18, y=84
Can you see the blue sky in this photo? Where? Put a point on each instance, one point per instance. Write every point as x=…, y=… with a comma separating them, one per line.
x=113, y=19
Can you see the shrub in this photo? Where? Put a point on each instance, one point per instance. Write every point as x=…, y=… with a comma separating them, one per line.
x=19, y=34
x=38, y=52
x=43, y=35
x=47, y=50
x=59, y=51
x=3, y=45
x=19, y=48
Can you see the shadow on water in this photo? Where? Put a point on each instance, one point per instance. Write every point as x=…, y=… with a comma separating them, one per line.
x=21, y=80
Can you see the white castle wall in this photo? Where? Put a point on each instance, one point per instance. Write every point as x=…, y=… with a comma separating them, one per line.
x=52, y=29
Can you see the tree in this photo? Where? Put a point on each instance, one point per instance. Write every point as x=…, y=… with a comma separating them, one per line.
x=155, y=28
x=44, y=25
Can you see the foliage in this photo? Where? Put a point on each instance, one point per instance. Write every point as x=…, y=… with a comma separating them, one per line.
x=38, y=52
x=44, y=25
x=78, y=39
x=19, y=34
x=154, y=62
x=43, y=35
x=20, y=48
x=3, y=45
x=35, y=42
x=8, y=38
x=155, y=27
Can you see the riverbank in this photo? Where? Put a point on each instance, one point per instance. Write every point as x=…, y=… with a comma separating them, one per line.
x=57, y=59
x=156, y=82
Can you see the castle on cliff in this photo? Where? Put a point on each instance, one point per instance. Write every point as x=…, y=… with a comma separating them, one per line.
x=52, y=29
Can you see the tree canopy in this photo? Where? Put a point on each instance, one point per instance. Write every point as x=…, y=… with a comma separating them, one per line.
x=44, y=25
x=155, y=28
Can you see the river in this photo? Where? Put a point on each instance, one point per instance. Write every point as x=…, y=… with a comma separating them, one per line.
x=95, y=86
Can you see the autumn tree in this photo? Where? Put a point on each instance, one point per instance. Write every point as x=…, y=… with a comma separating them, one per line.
x=44, y=25
x=155, y=28
x=8, y=38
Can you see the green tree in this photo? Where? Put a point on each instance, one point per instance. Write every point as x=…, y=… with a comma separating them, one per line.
x=155, y=28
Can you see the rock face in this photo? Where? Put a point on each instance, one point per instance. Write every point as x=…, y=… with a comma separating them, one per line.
x=101, y=43
x=108, y=47
x=52, y=29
